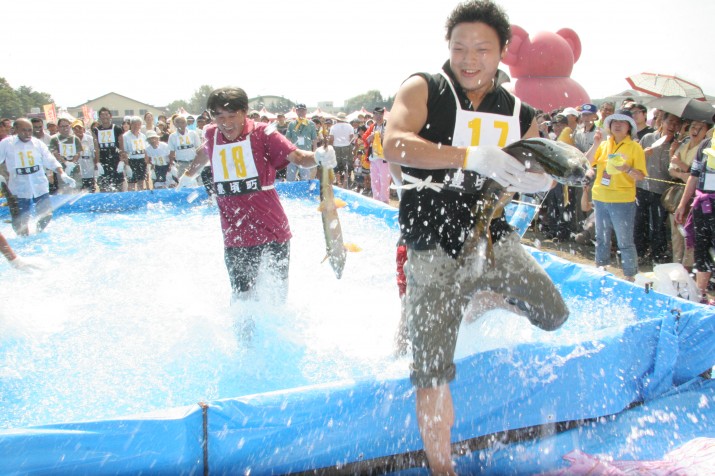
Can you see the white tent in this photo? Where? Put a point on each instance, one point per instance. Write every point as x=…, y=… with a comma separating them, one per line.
x=268, y=114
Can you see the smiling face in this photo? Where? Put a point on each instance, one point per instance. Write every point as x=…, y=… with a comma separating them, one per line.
x=230, y=123
x=105, y=118
x=698, y=130
x=474, y=55
x=64, y=127
x=620, y=129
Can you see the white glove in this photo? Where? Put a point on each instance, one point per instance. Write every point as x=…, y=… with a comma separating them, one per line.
x=69, y=167
x=26, y=264
x=68, y=180
x=186, y=181
x=531, y=182
x=120, y=167
x=492, y=162
x=99, y=171
x=128, y=172
x=174, y=171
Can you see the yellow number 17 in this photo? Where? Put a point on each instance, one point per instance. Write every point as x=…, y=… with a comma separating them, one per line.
x=476, y=126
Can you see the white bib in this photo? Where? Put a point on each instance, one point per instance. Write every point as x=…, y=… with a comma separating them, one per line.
x=106, y=138
x=136, y=147
x=68, y=151
x=234, y=168
x=473, y=128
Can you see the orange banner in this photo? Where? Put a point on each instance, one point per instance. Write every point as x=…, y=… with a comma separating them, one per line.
x=86, y=115
x=50, y=113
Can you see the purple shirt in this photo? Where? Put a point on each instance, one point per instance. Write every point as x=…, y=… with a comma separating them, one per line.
x=255, y=218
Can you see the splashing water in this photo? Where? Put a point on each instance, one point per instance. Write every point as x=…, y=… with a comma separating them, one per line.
x=134, y=315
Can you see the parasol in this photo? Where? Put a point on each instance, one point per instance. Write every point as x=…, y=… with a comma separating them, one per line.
x=686, y=108
x=665, y=85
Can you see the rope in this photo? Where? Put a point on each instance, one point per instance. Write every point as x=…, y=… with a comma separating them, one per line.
x=665, y=181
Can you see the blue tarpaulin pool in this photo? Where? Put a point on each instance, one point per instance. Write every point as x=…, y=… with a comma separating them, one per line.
x=630, y=391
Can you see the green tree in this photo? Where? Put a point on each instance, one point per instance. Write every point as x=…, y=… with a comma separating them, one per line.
x=30, y=98
x=10, y=105
x=197, y=104
x=369, y=101
x=18, y=102
x=174, y=106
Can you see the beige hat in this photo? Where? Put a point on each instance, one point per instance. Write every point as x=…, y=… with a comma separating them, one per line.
x=151, y=134
x=341, y=116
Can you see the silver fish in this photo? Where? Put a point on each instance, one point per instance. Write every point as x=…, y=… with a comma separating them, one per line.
x=334, y=246
x=566, y=164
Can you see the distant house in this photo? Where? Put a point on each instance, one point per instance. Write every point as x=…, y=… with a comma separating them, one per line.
x=119, y=105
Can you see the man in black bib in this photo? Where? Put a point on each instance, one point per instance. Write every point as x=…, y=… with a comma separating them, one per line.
x=447, y=131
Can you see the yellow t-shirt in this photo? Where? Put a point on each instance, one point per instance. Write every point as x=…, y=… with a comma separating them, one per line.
x=565, y=136
x=619, y=187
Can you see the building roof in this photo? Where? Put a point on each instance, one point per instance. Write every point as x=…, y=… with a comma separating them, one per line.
x=120, y=95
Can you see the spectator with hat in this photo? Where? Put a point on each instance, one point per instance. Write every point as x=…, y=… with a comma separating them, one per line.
x=379, y=170
x=620, y=163
x=88, y=157
x=158, y=154
x=303, y=134
x=583, y=137
x=341, y=136
x=566, y=135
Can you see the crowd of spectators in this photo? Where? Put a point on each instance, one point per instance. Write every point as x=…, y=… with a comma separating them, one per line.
x=151, y=153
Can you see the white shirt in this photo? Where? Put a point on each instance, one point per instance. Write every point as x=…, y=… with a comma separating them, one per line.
x=184, y=145
x=26, y=163
x=135, y=146
x=341, y=133
x=160, y=155
x=86, y=156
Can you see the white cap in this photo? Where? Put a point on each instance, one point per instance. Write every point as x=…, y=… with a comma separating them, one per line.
x=570, y=111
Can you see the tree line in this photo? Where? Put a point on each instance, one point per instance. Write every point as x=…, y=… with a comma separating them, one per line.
x=19, y=102
x=369, y=100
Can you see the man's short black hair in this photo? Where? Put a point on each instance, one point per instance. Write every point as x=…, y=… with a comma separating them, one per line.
x=104, y=109
x=229, y=98
x=483, y=11
x=36, y=120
